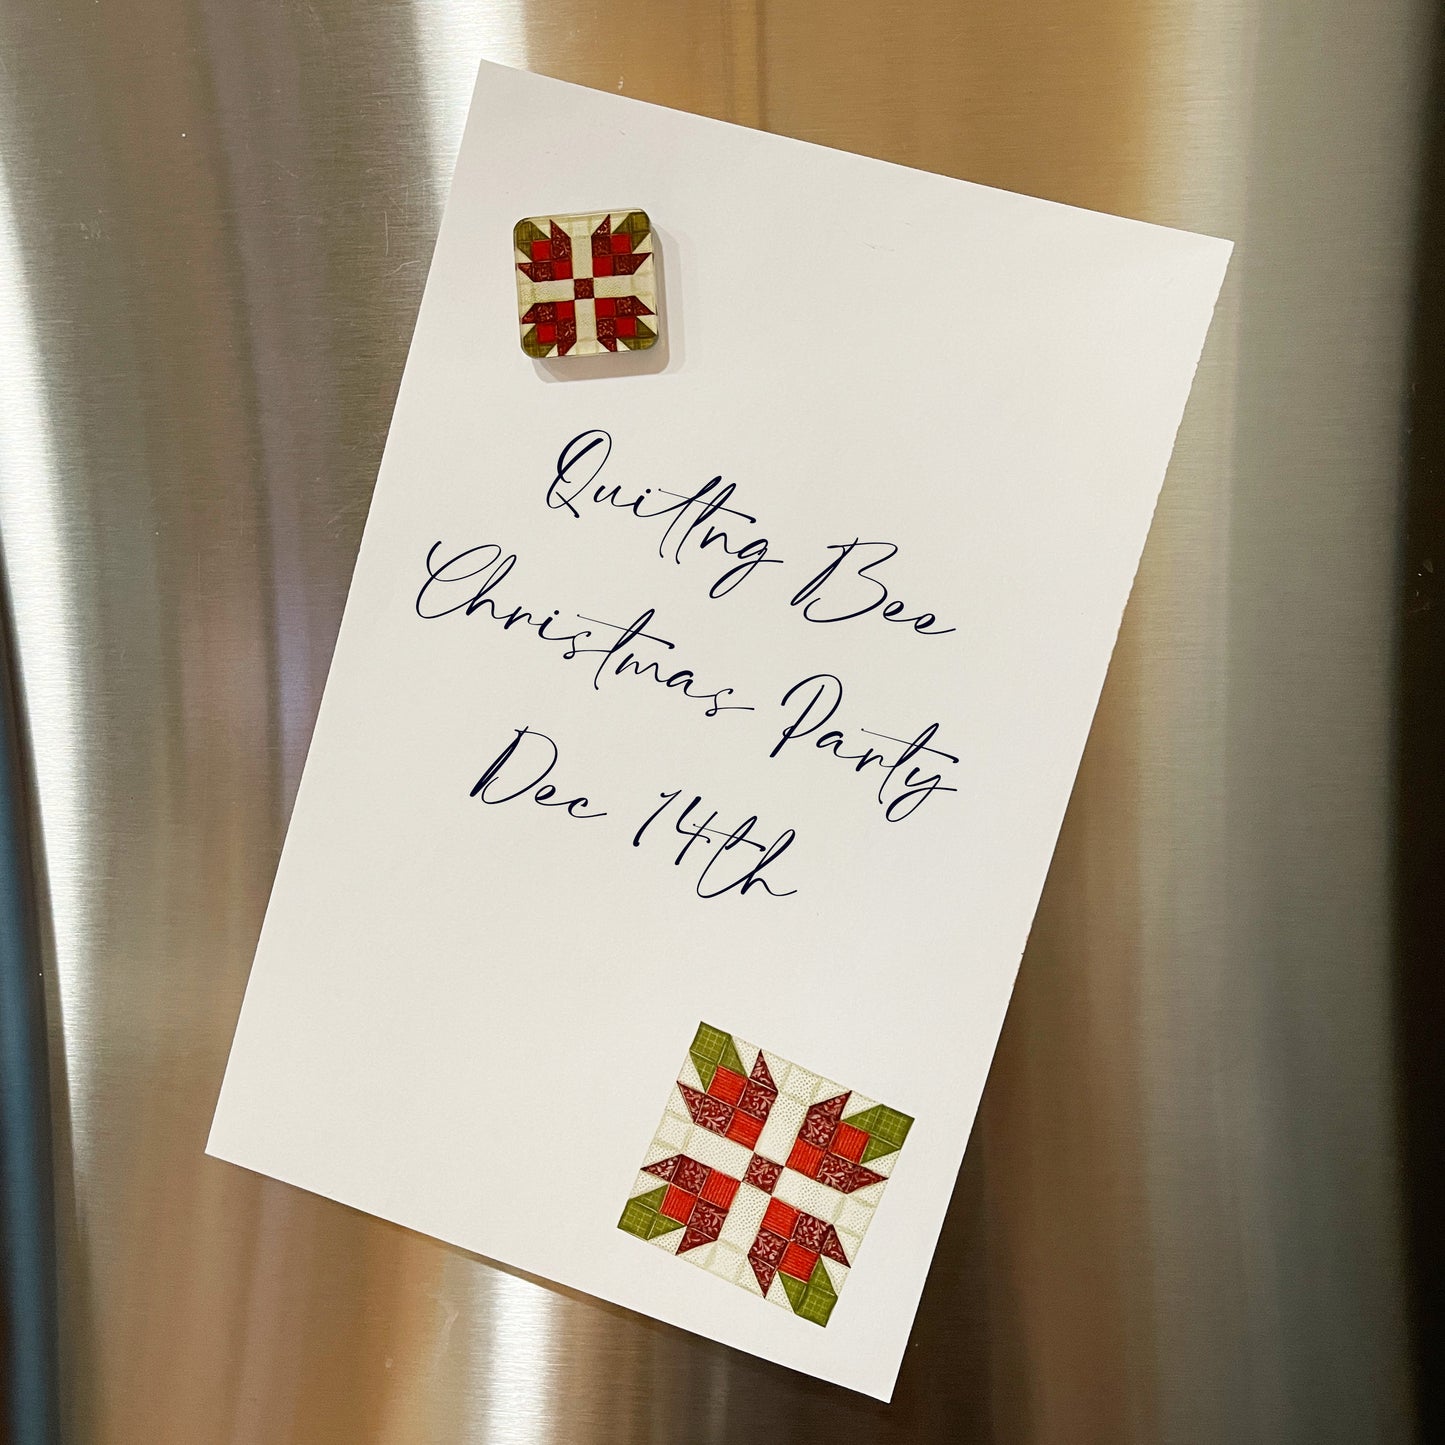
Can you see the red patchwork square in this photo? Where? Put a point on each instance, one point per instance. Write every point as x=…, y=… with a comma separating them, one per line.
x=850, y=1142
x=720, y=1189
x=818, y=1128
x=710, y=1113
x=834, y=1171
x=797, y=1262
x=678, y=1204
x=810, y=1232
x=768, y=1247
x=690, y=1175
x=744, y=1129
x=757, y=1100
x=780, y=1218
x=763, y=1173
x=707, y=1219
x=726, y=1085
x=805, y=1158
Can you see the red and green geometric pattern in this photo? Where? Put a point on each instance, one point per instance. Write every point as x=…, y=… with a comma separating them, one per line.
x=585, y=284
x=764, y=1173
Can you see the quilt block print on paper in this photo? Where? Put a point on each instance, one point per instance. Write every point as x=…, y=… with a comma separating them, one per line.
x=585, y=284
x=764, y=1174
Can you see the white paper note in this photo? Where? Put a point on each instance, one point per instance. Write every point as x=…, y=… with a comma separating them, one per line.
x=911, y=432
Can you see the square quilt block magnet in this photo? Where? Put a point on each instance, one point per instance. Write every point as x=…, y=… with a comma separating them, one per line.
x=585, y=284
x=780, y=1206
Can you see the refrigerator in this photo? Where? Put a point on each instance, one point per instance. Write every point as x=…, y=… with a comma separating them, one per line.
x=1185, y=1213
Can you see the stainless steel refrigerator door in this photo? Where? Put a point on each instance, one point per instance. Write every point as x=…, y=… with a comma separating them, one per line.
x=1178, y=1219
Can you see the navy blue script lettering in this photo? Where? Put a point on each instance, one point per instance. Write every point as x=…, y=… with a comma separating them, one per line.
x=811, y=703
x=690, y=515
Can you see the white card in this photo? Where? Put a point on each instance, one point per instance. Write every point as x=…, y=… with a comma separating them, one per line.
x=467, y=1014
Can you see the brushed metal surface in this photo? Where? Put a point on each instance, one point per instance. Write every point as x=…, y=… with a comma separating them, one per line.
x=1178, y=1218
